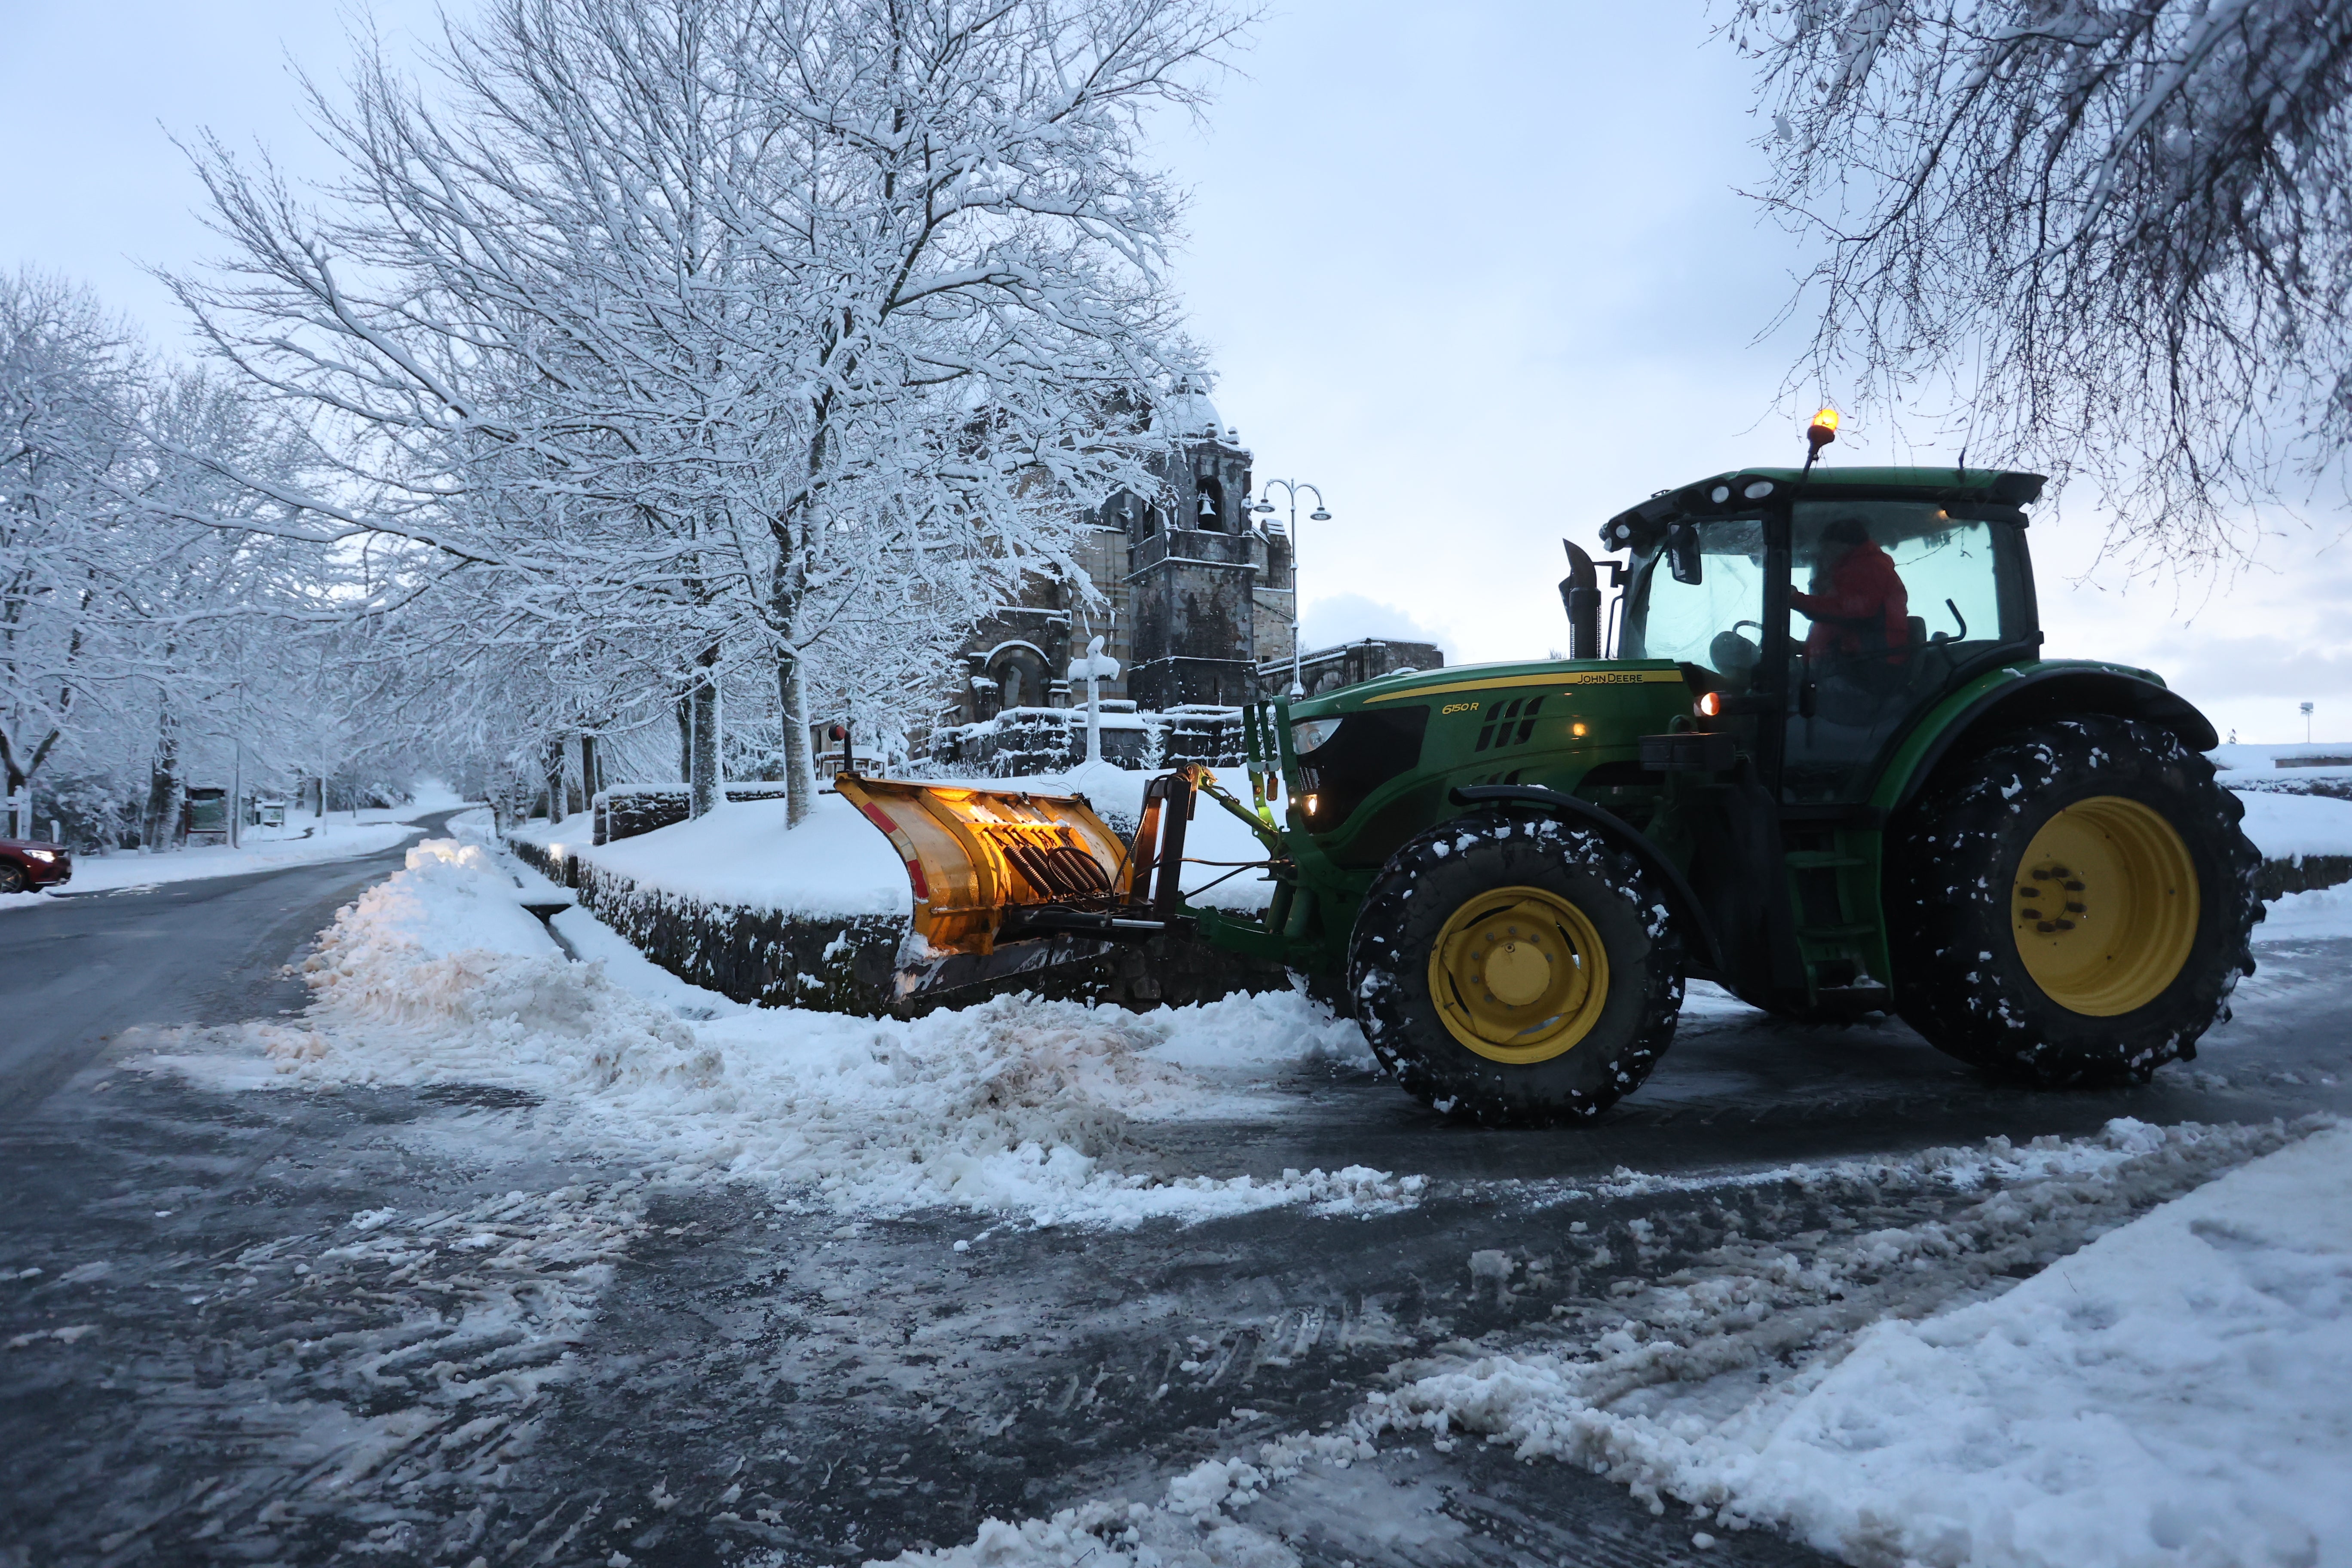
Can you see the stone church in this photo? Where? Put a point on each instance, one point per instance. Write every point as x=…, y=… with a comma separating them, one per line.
x=1197, y=610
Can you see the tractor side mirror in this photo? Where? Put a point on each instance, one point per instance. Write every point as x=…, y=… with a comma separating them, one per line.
x=1682, y=552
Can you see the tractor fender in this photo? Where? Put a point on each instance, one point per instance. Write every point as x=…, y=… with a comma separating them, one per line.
x=2018, y=695
x=1619, y=833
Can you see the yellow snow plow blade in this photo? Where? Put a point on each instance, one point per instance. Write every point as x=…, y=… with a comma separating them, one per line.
x=1003, y=880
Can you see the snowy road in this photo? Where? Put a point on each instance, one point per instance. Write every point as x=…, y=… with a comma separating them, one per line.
x=420, y=1325
x=80, y=967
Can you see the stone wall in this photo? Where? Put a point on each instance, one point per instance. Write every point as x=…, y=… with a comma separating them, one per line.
x=1027, y=742
x=2303, y=875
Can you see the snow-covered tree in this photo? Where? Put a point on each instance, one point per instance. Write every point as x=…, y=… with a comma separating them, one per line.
x=2115, y=233
x=711, y=328
x=67, y=383
x=144, y=598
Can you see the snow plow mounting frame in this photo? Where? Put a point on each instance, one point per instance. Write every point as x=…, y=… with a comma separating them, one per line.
x=1008, y=882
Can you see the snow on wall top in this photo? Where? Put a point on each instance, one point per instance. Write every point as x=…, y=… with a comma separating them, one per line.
x=2290, y=826
x=833, y=863
x=2305, y=761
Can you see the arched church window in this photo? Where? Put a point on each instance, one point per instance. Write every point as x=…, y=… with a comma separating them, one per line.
x=1022, y=677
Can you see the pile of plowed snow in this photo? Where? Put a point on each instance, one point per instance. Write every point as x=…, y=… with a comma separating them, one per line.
x=437, y=975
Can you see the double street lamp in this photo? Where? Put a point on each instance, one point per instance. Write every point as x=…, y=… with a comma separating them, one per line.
x=1321, y=514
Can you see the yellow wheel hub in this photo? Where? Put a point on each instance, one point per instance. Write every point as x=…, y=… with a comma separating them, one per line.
x=2105, y=906
x=1519, y=974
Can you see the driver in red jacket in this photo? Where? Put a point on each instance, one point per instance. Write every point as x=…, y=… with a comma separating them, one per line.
x=1858, y=605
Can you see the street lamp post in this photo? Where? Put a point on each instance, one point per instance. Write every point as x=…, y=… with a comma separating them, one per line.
x=1322, y=513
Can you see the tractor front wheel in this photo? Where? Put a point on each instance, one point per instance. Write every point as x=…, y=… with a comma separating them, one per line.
x=2073, y=905
x=1515, y=970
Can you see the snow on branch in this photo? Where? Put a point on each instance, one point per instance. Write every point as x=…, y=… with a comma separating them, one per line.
x=2114, y=239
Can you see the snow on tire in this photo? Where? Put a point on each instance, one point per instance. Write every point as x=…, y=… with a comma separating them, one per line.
x=2018, y=960
x=1516, y=970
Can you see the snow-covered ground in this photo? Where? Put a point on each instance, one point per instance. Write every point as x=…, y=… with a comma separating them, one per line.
x=837, y=864
x=2305, y=917
x=2176, y=1392
x=304, y=841
x=2179, y=1391
x=1015, y=1107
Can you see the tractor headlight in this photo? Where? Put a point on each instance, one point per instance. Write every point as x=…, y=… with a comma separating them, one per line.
x=1306, y=734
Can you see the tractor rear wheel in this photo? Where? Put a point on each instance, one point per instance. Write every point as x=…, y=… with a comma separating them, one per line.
x=2073, y=906
x=1516, y=969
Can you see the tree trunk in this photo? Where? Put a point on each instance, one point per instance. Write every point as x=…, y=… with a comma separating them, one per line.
x=799, y=773
x=706, y=788
x=591, y=781
x=165, y=790
x=553, y=770
x=685, y=710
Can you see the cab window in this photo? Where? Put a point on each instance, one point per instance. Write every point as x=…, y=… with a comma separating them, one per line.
x=1700, y=623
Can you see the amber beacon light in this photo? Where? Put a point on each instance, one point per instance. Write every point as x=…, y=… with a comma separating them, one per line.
x=1824, y=429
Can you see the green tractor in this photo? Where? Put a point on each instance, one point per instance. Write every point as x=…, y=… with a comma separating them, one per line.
x=1825, y=766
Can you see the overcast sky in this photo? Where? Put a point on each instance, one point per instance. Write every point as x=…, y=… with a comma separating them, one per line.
x=1479, y=271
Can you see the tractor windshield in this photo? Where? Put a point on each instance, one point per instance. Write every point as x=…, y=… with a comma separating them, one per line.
x=1713, y=622
x=1873, y=580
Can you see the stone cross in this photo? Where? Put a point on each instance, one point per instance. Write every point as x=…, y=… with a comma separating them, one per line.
x=1094, y=668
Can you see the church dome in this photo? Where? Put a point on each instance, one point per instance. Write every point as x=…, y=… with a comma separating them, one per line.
x=1187, y=413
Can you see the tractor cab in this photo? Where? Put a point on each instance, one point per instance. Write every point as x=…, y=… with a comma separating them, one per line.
x=1835, y=616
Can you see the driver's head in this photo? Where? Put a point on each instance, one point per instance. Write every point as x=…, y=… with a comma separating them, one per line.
x=1845, y=533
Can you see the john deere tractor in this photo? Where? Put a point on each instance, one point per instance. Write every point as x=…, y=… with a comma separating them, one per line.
x=1508, y=872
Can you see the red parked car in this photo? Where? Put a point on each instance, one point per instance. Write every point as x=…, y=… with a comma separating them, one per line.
x=28, y=863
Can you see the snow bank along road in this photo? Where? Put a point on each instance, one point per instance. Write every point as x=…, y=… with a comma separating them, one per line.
x=493, y=1256
x=76, y=968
